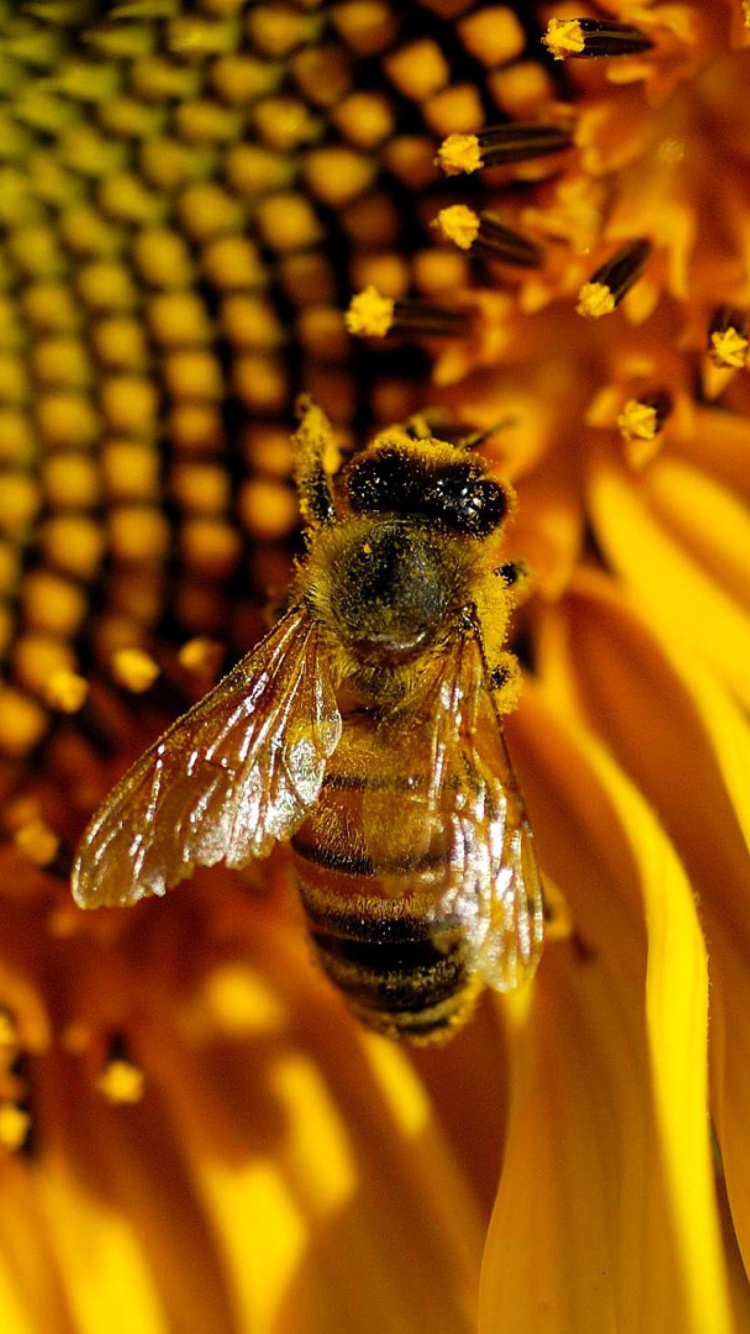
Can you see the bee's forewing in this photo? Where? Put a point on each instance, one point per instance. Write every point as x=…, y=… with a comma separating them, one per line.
x=240, y=770
x=492, y=883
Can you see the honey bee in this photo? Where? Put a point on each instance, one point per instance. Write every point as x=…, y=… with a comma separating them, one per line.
x=365, y=731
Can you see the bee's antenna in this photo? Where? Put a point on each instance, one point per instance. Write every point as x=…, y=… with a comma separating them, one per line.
x=477, y=438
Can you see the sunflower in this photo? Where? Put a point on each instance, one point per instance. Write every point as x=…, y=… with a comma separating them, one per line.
x=529, y=223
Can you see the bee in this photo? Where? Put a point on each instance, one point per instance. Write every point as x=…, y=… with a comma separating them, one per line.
x=364, y=730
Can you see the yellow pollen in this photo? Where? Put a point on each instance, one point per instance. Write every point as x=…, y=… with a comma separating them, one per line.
x=637, y=421
x=122, y=1082
x=595, y=300
x=370, y=313
x=459, y=153
x=729, y=348
x=134, y=669
x=36, y=841
x=563, y=38
x=459, y=224
x=66, y=691
x=14, y=1125
x=746, y=13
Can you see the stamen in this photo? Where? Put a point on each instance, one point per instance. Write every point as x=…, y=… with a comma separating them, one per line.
x=643, y=418
x=593, y=38
x=728, y=342
x=371, y=315
x=481, y=233
x=607, y=287
x=500, y=144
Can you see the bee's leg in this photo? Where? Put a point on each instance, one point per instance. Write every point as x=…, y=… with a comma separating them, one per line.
x=313, y=437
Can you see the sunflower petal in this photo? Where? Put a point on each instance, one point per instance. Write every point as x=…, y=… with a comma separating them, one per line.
x=610, y=1087
x=675, y=593
x=314, y=1155
x=687, y=744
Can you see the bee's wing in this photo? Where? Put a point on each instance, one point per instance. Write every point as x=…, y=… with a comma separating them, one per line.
x=492, y=885
x=241, y=769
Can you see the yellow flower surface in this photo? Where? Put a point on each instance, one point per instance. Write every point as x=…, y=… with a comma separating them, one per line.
x=530, y=226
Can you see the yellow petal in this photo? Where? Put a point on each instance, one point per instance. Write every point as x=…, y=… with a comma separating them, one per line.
x=707, y=519
x=718, y=442
x=676, y=595
x=31, y=1295
x=688, y=746
x=130, y=1242
x=606, y=1217
x=312, y=1151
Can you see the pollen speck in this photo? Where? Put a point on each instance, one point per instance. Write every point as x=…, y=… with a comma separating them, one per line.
x=459, y=224
x=370, y=313
x=121, y=1082
x=595, y=300
x=459, y=153
x=563, y=38
x=729, y=348
x=637, y=421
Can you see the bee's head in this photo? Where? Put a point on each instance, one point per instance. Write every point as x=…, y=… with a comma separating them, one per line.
x=393, y=574
x=427, y=480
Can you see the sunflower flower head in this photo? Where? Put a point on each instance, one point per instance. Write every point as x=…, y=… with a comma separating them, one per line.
x=526, y=227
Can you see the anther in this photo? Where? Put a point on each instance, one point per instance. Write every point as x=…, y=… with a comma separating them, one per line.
x=607, y=287
x=371, y=315
x=727, y=338
x=643, y=418
x=481, y=234
x=499, y=145
x=587, y=38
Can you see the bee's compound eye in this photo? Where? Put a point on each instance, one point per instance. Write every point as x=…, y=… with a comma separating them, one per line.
x=488, y=509
x=461, y=498
x=386, y=481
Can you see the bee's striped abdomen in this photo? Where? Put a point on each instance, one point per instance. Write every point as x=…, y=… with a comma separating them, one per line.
x=370, y=874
